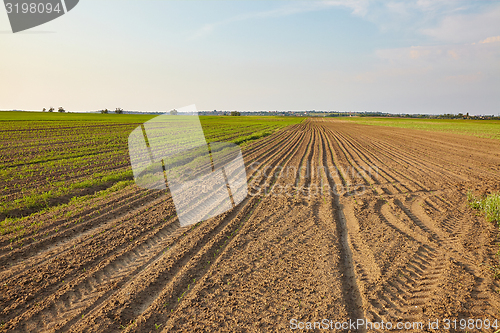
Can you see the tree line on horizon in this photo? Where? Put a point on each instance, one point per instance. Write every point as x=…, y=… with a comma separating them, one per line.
x=320, y=113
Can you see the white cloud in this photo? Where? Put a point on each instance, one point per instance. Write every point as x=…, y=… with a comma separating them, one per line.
x=432, y=5
x=357, y=7
x=464, y=78
x=466, y=28
x=399, y=8
x=394, y=72
x=490, y=40
x=485, y=52
x=450, y=21
x=451, y=64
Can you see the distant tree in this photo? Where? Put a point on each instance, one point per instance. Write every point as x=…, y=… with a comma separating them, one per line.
x=61, y=109
x=43, y=110
x=235, y=113
x=105, y=111
x=119, y=110
x=51, y=109
x=173, y=112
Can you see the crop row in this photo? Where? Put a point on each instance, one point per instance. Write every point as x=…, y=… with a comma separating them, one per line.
x=45, y=162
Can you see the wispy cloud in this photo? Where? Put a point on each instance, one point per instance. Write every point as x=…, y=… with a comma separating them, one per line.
x=463, y=28
x=444, y=53
x=357, y=7
x=465, y=78
x=465, y=63
x=411, y=16
x=490, y=40
x=442, y=20
x=384, y=73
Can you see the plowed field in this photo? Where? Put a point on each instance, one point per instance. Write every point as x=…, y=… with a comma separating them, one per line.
x=343, y=221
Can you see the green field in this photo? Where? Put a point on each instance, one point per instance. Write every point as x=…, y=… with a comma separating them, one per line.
x=481, y=128
x=48, y=159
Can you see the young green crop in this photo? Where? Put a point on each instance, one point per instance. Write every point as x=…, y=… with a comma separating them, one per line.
x=46, y=157
x=489, y=205
x=479, y=128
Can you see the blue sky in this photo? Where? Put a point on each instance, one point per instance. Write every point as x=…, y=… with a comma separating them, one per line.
x=421, y=56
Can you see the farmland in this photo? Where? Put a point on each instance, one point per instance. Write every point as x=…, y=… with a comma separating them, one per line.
x=485, y=129
x=343, y=221
x=60, y=157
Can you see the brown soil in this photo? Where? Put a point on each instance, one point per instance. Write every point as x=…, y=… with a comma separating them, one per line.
x=374, y=225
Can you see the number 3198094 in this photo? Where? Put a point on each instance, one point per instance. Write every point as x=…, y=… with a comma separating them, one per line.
x=32, y=8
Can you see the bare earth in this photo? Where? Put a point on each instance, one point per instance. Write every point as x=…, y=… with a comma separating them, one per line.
x=374, y=225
